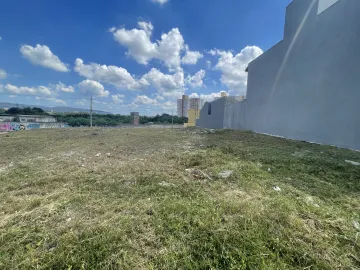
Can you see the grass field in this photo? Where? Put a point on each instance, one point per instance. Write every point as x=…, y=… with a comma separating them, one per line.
x=153, y=200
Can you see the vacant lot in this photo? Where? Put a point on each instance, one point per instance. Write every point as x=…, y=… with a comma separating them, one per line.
x=152, y=199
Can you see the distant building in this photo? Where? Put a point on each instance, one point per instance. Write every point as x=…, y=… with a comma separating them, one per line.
x=183, y=106
x=193, y=115
x=134, y=118
x=196, y=103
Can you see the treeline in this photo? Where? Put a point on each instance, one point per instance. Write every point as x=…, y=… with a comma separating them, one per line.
x=25, y=111
x=83, y=119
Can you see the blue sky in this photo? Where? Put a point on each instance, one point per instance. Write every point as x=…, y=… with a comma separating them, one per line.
x=131, y=55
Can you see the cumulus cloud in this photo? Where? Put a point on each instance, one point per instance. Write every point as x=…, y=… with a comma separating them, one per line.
x=3, y=74
x=191, y=57
x=41, y=55
x=92, y=88
x=24, y=90
x=63, y=88
x=207, y=97
x=196, y=81
x=161, y=2
x=143, y=50
x=144, y=100
x=147, y=27
x=233, y=67
x=208, y=63
x=114, y=75
x=166, y=84
x=194, y=95
x=117, y=99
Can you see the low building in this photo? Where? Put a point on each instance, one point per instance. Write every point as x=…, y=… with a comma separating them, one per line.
x=37, y=119
x=6, y=118
x=28, y=118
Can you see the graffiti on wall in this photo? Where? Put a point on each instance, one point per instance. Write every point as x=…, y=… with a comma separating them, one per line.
x=13, y=126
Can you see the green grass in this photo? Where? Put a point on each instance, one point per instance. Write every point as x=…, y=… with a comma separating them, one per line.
x=61, y=207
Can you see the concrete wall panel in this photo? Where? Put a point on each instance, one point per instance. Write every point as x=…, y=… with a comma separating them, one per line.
x=307, y=87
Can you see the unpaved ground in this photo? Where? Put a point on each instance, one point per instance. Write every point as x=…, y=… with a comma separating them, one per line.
x=153, y=199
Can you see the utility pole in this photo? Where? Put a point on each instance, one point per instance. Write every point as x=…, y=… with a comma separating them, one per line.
x=91, y=110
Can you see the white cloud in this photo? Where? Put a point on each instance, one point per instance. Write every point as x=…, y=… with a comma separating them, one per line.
x=207, y=97
x=166, y=83
x=117, y=99
x=161, y=2
x=144, y=100
x=143, y=50
x=191, y=57
x=100, y=102
x=24, y=90
x=158, y=97
x=194, y=95
x=147, y=27
x=213, y=52
x=3, y=74
x=64, y=88
x=41, y=55
x=233, y=67
x=114, y=75
x=92, y=88
x=54, y=100
x=208, y=63
x=197, y=79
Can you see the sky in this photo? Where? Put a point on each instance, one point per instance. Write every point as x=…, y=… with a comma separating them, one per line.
x=131, y=55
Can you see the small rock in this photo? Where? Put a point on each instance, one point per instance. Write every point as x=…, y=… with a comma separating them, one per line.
x=68, y=220
x=310, y=200
x=353, y=162
x=82, y=165
x=98, y=155
x=108, y=154
x=150, y=212
x=225, y=174
x=276, y=188
x=269, y=170
x=356, y=225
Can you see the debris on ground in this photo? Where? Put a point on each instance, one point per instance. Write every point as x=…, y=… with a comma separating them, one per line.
x=165, y=184
x=196, y=173
x=98, y=155
x=310, y=200
x=356, y=225
x=225, y=174
x=353, y=162
x=108, y=154
x=269, y=170
x=276, y=188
